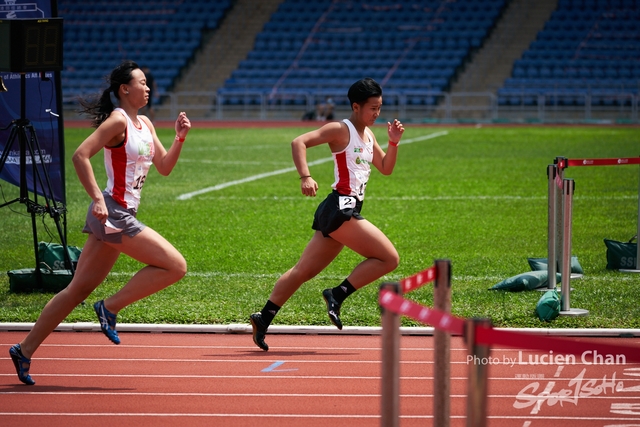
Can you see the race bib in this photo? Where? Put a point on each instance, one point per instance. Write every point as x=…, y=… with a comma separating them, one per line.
x=346, y=202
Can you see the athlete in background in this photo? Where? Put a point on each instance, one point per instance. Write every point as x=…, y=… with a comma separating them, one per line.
x=337, y=220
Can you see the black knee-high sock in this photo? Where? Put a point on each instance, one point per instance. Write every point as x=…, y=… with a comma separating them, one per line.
x=269, y=312
x=342, y=291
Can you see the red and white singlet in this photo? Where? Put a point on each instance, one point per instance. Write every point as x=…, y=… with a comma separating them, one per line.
x=352, y=165
x=128, y=164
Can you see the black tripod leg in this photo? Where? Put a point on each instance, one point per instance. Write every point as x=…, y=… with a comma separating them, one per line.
x=35, y=248
x=7, y=148
x=50, y=202
x=5, y=154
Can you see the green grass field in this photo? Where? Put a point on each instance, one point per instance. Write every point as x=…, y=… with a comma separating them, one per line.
x=474, y=195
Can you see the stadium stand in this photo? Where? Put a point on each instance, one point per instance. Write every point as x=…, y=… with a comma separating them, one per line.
x=413, y=48
x=588, y=53
x=99, y=34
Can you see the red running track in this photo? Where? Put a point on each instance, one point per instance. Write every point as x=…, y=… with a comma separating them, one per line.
x=304, y=380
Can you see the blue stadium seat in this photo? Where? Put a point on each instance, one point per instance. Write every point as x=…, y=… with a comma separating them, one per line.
x=586, y=46
x=98, y=35
x=403, y=43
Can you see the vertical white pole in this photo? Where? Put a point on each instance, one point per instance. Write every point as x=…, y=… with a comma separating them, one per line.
x=551, y=228
x=559, y=212
x=568, y=187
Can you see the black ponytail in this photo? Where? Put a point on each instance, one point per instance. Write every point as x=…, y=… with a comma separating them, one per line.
x=99, y=108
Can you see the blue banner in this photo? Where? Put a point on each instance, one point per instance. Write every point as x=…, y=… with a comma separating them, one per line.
x=42, y=98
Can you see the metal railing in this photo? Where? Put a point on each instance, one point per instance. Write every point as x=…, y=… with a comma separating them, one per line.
x=410, y=106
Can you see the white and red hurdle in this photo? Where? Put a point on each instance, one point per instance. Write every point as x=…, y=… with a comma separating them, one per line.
x=560, y=206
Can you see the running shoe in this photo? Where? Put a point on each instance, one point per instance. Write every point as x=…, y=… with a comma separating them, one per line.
x=333, y=308
x=259, y=330
x=22, y=365
x=107, y=322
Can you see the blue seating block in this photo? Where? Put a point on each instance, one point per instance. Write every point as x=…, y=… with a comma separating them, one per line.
x=586, y=46
x=324, y=44
x=98, y=35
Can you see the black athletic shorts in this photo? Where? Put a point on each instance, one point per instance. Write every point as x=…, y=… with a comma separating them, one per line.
x=334, y=211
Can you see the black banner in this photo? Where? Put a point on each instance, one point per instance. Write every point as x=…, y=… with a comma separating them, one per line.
x=42, y=98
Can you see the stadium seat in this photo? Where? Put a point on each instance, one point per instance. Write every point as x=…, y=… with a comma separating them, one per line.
x=406, y=45
x=593, y=45
x=98, y=35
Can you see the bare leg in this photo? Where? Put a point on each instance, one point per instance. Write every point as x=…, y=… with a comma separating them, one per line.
x=366, y=239
x=94, y=264
x=164, y=266
x=318, y=254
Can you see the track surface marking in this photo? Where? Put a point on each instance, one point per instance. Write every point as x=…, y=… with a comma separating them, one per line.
x=311, y=380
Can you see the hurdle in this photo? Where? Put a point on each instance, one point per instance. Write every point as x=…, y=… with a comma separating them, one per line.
x=479, y=336
x=555, y=174
x=477, y=389
x=392, y=305
x=555, y=227
x=390, y=394
x=568, y=187
x=440, y=272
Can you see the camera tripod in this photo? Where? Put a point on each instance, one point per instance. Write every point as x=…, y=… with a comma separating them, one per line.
x=23, y=132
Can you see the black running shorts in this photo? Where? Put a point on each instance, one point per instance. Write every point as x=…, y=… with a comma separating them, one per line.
x=334, y=211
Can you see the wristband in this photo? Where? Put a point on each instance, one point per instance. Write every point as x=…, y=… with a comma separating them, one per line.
x=180, y=139
x=306, y=176
x=393, y=144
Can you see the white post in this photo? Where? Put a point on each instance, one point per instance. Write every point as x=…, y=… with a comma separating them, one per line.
x=568, y=186
x=552, y=266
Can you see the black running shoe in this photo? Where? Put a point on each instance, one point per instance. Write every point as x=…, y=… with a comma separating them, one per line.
x=259, y=330
x=333, y=308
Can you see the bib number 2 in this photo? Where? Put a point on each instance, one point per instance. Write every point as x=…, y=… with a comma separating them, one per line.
x=346, y=202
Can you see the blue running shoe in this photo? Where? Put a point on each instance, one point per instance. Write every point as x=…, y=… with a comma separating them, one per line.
x=22, y=365
x=107, y=322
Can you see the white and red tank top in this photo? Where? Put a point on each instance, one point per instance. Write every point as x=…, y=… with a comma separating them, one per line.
x=128, y=164
x=352, y=165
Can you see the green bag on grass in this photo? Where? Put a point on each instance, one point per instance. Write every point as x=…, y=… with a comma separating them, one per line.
x=548, y=306
x=525, y=281
x=25, y=280
x=52, y=256
x=55, y=272
x=541, y=264
x=621, y=255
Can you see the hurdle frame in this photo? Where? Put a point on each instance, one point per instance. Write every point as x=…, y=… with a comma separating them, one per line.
x=478, y=381
x=442, y=347
x=390, y=393
x=637, y=269
x=552, y=227
x=568, y=188
x=555, y=174
x=390, y=377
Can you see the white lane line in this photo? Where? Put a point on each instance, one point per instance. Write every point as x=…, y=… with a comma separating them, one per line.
x=187, y=196
x=190, y=415
x=174, y=394
x=313, y=416
x=193, y=394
